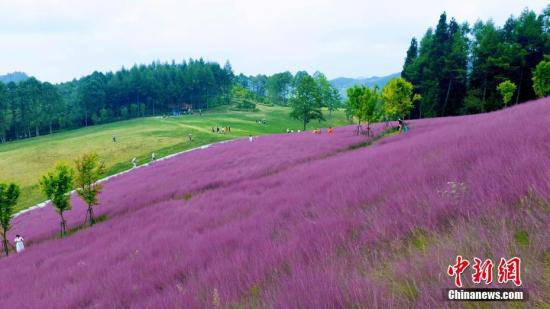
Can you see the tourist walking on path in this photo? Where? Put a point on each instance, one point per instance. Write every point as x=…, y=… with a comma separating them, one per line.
x=250, y=138
x=153, y=157
x=19, y=245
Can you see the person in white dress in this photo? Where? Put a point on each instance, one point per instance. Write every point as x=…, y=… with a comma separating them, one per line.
x=19, y=245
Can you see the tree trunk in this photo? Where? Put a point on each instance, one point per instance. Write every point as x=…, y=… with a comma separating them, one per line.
x=37, y=130
x=5, y=241
x=484, y=92
x=63, y=227
x=304, y=123
x=447, y=97
x=85, y=118
x=51, y=130
x=519, y=86
x=91, y=215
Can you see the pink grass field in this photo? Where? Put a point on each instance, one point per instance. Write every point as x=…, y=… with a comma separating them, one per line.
x=304, y=221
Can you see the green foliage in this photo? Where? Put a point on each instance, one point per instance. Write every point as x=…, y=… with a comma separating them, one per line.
x=30, y=107
x=56, y=186
x=9, y=193
x=363, y=103
x=278, y=87
x=457, y=68
x=245, y=105
x=330, y=97
x=306, y=103
x=398, y=97
x=89, y=170
x=522, y=237
x=541, y=77
x=506, y=89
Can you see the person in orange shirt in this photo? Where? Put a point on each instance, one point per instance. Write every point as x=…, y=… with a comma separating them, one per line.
x=329, y=130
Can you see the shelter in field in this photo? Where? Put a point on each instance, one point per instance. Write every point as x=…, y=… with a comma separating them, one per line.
x=181, y=109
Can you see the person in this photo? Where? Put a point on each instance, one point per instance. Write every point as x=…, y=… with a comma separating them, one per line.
x=213, y=131
x=200, y=111
x=153, y=157
x=329, y=131
x=217, y=129
x=114, y=139
x=250, y=137
x=400, y=124
x=19, y=245
x=229, y=129
x=190, y=137
x=134, y=162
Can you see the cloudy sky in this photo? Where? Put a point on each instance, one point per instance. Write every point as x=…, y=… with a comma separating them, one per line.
x=58, y=40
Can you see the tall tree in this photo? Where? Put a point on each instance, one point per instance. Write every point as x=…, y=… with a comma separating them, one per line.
x=306, y=102
x=89, y=169
x=330, y=97
x=363, y=102
x=9, y=193
x=398, y=97
x=541, y=77
x=56, y=185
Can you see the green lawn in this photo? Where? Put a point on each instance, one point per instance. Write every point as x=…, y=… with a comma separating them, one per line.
x=23, y=162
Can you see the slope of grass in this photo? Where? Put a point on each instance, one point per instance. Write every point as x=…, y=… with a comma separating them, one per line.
x=305, y=221
x=25, y=161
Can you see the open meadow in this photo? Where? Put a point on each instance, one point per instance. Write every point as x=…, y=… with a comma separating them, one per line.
x=304, y=221
x=25, y=161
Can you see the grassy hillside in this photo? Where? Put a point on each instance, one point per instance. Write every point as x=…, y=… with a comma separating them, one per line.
x=25, y=161
x=305, y=221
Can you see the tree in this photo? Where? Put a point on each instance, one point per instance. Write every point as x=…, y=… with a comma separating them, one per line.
x=278, y=86
x=541, y=77
x=9, y=193
x=506, y=89
x=412, y=55
x=306, y=102
x=398, y=97
x=330, y=97
x=363, y=101
x=89, y=169
x=56, y=185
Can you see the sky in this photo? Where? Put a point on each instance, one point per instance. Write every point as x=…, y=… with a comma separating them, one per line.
x=57, y=41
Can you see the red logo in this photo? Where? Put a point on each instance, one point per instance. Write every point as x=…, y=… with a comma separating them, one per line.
x=508, y=270
x=457, y=269
x=483, y=271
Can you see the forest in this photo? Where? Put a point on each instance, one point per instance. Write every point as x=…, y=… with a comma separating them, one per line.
x=456, y=68
x=32, y=108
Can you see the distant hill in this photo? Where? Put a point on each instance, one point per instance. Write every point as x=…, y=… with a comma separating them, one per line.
x=343, y=83
x=13, y=77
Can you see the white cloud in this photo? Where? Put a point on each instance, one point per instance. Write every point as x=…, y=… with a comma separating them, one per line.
x=58, y=40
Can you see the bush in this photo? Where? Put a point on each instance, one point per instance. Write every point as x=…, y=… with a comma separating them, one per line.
x=245, y=105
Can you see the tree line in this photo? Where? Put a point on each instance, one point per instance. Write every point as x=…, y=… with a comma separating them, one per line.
x=457, y=68
x=32, y=108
